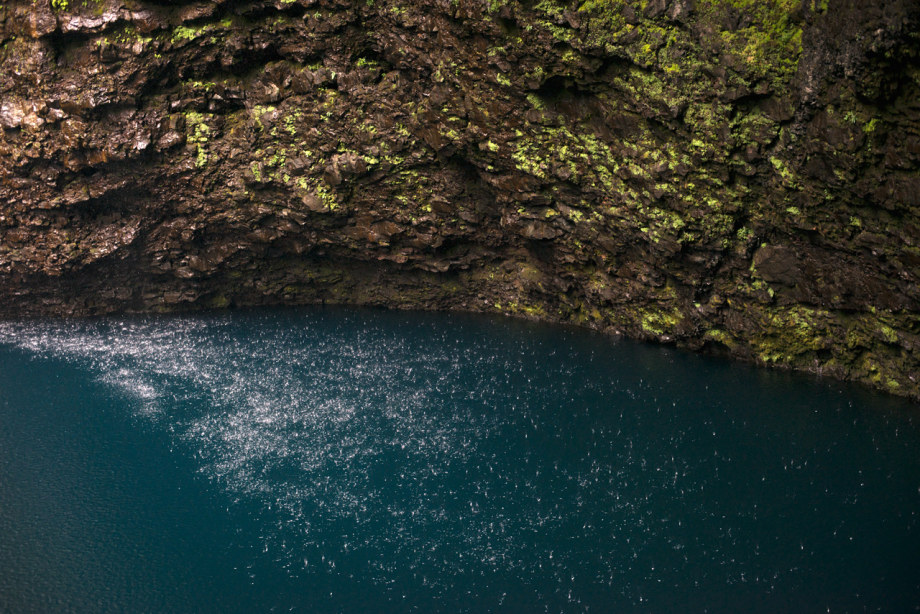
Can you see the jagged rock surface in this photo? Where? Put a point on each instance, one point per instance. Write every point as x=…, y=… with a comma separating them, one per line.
x=737, y=177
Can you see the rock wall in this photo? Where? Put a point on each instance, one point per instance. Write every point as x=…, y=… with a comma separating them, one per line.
x=733, y=176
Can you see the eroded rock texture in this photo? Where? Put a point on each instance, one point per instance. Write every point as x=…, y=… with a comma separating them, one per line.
x=738, y=176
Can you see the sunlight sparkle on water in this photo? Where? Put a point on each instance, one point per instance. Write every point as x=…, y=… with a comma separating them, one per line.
x=513, y=464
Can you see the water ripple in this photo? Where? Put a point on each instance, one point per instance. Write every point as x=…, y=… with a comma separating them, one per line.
x=457, y=456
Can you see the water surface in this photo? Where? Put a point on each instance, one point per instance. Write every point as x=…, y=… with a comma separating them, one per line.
x=354, y=460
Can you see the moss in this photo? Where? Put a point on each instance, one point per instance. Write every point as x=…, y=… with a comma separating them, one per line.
x=219, y=302
x=97, y=6
x=277, y=160
x=784, y=171
x=526, y=159
x=889, y=334
x=658, y=322
x=791, y=335
x=319, y=189
x=290, y=124
x=259, y=111
x=770, y=46
x=185, y=33
x=199, y=133
x=722, y=337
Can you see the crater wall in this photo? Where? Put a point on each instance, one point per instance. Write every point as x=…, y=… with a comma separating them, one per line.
x=737, y=177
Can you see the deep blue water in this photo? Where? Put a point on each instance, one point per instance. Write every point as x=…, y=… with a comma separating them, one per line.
x=345, y=460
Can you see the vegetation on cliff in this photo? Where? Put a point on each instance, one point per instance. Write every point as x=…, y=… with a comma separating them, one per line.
x=734, y=176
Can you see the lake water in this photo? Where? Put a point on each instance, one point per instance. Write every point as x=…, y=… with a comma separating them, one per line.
x=347, y=460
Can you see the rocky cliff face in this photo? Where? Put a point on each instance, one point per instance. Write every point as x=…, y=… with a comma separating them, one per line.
x=736, y=176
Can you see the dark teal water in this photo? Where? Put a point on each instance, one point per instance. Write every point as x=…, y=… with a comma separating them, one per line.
x=367, y=461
